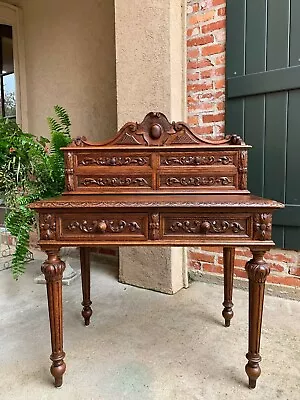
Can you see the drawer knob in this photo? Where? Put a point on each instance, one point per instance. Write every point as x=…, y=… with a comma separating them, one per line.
x=102, y=226
x=205, y=226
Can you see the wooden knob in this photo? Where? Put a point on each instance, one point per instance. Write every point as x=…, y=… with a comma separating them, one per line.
x=102, y=226
x=205, y=226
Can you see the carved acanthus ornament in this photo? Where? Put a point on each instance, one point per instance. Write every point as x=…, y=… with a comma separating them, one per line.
x=263, y=226
x=199, y=181
x=115, y=181
x=154, y=226
x=53, y=268
x=47, y=227
x=197, y=227
x=257, y=268
x=104, y=226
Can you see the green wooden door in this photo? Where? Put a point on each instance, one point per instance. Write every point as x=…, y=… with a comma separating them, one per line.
x=263, y=102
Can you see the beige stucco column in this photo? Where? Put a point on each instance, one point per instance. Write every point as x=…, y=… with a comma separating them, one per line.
x=150, y=67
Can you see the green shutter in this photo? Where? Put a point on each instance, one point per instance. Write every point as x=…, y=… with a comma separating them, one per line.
x=263, y=102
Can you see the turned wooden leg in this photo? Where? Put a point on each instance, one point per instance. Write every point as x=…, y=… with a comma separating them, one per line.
x=258, y=271
x=86, y=284
x=228, y=257
x=53, y=269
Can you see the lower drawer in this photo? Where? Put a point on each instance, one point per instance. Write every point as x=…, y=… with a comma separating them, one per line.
x=206, y=225
x=106, y=226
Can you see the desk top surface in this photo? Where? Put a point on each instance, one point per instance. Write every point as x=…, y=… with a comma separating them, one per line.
x=157, y=200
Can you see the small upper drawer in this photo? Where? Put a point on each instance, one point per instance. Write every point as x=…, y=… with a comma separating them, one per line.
x=112, y=159
x=196, y=159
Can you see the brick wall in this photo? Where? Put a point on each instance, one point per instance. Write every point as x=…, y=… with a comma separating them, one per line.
x=206, y=39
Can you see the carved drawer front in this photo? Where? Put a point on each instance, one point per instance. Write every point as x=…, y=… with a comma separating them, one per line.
x=98, y=159
x=111, y=182
x=199, y=159
x=207, y=225
x=103, y=226
x=198, y=181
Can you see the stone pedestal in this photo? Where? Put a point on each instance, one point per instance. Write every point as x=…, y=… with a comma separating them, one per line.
x=150, y=68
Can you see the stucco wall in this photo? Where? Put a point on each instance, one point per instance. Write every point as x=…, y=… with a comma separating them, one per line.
x=70, y=60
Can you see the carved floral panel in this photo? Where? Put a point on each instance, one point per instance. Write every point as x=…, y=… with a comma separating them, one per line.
x=206, y=225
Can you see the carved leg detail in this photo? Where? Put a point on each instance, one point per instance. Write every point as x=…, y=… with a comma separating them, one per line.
x=258, y=271
x=85, y=280
x=53, y=269
x=228, y=257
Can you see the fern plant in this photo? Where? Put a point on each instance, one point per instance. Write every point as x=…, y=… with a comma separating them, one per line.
x=29, y=171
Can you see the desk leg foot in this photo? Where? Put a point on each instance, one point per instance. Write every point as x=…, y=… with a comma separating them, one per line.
x=53, y=269
x=258, y=271
x=86, y=284
x=228, y=257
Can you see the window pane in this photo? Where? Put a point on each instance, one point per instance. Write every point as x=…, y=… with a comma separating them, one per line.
x=7, y=55
x=9, y=95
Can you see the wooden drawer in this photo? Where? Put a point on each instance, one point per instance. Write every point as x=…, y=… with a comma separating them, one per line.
x=109, y=183
x=103, y=226
x=101, y=159
x=198, y=159
x=198, y=181
x=211, y=225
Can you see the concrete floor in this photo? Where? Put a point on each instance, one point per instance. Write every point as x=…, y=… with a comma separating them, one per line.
x=143, y=345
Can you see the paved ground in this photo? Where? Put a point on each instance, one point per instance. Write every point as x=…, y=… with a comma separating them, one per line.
x=143, y=345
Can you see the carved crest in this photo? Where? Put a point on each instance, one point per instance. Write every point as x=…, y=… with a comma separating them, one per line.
x=156, y=130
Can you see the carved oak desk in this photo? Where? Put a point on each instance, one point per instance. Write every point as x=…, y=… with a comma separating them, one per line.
x=156, y=184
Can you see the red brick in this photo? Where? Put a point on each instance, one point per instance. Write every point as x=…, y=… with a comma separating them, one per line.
x=221, y=106
x=214, y=26
x=193, y=52
x=284, y=280
x=203, y=130
x=220, y=60
x=276, y=267
x=198, y=18
x=198, y=87
x=193, y=76
x=281, y=257
x=204, y=62
x=192, y=100
x=241, y=251
x=192, y=32
x=217, y=95
x=200, y=106
x=213, y=49
x=219, y=2
x=240, y=273
x=193, y=119
x=220, y=84
x=220, y=71
x=294, y=271
x=201, y=40
x=213, y=118
x=206, y=74
x=202, y=257
x=195, y=7
x=222, y=12
x=212, y=268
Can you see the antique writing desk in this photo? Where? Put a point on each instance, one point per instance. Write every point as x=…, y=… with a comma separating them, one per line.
x=156, y=184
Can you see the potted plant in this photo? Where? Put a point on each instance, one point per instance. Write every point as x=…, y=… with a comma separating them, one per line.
x=31, y=169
